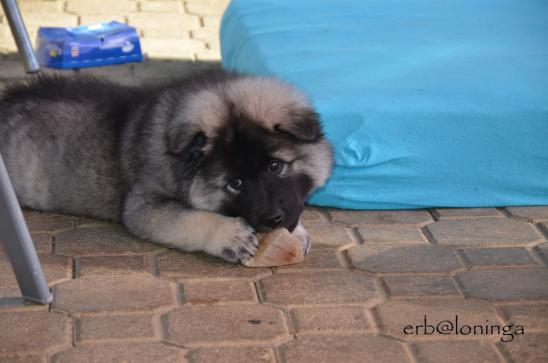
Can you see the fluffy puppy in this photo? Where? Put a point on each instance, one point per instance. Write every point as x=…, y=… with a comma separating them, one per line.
x=199, y=164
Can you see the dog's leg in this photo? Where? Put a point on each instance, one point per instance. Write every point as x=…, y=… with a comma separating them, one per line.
x=169, y=222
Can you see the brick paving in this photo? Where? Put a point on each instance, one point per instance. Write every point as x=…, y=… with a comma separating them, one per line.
x=118, y=298
x=373, y=289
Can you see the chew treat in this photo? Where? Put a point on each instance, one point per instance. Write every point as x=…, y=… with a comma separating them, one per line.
x=277, y=248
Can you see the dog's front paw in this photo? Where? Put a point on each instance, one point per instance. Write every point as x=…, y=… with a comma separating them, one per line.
x=301, y=233
x=235, y=241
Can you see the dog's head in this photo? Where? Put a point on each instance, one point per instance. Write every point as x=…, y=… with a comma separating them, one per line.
x=250, y=147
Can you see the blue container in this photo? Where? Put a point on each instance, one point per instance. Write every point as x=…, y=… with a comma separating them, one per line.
x=88, y=46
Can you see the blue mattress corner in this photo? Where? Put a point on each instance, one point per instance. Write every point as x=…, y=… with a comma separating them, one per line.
x=428, y=103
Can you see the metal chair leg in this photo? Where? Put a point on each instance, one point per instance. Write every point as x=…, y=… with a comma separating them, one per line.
x=21, y=36
x=18, y=244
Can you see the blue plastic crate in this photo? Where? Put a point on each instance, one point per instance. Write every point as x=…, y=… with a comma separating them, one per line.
x=88, y=46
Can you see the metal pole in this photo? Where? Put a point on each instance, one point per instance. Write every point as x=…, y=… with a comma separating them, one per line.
x=20, y=35
x=18, y=244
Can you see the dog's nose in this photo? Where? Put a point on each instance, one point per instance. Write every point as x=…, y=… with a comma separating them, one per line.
x=274, y=219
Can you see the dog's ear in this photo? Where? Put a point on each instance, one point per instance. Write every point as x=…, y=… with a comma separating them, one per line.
x=195, y=147
x=188, y=149
x=304, y=126
x=177, y=139
x=181, y=140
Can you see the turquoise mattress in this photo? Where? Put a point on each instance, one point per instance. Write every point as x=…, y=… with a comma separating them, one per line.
x=428, y=103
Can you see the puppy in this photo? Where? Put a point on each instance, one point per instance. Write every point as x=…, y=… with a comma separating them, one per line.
x=199, y=164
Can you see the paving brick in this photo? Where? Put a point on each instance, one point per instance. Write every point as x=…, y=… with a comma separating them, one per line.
x=319, y=259
x=532, y=316
x=233, y=355
x=481, y=351
x=108, y=240
x=56, y=269
x=446, y=213
x=11, y=69
x=211, y=36
x=172, y=7
x=405, y=286
x=13, y=302
x=214, y=45
x=211, y=292
x=175, y=36
x=414, y=217
x=111, y=265
x=158, y=69
x=329, y=319
x=383, y=234
x=542, y=250
x=94, y=19
x=395, y=315
x=166, y=49
x=82, y=222
x=544, y=229
x=325, y=235
x=211, y=21
x=120, y=352
x=398, y=258
x=98, y=7
x=206, y=7
x=34, y=20
x=179, y=265
x=195, y=45
x=42, y=243
x=506, y=284
x=129, y=81
x=537, y=213
x=7, y=44
x=191, y=325
x=333, y=287
x=38, y=6
x=9, y=295
x=24, y=332
x=47, y=222
x=483, y=232
x=528, y=348
x=103, y=327
x=171, y=24
x=348, y=349
x=498, y=257
x=120, y=293
x=309, y=214
x=207, y=55
x=20, y=358
x=112, y=72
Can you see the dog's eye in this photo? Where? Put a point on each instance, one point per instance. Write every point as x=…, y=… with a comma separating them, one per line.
x=274, y=166
x=235, y=185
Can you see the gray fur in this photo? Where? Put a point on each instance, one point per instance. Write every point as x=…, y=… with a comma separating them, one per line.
x=88, y=147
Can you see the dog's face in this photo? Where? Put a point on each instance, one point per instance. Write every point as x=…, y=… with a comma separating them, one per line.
x=258, y=151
